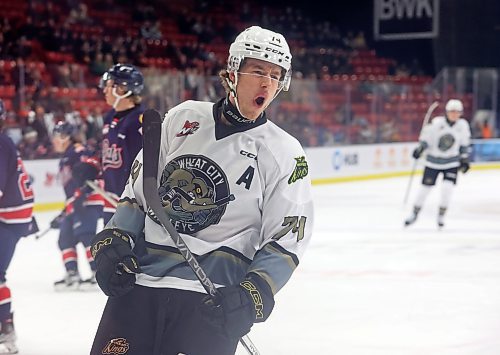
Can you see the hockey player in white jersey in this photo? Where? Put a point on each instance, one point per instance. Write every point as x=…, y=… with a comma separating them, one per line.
x=237, y=189
x=446, y=140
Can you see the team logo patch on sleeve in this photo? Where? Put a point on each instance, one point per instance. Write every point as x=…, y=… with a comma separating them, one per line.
x=188, y=128
x=301, y=170
x=194, y=192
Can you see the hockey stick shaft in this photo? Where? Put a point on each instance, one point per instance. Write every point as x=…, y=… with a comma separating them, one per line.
x=151, y=150
x=94, y=187
x=101, y=192
x=427, y=117
x=42, y=233
x=410, y=181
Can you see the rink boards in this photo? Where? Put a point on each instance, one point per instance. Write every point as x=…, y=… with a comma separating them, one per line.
x=326, y=165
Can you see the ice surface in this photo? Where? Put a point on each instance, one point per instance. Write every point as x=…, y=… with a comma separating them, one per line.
x=366, y=285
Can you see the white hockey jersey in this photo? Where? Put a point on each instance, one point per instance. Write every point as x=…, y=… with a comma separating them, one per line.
x=445, y=144
x=239, y=197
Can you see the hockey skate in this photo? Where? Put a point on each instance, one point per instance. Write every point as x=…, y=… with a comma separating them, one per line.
x=70, y=282
x=413, y=217
x=7, y=337
x=89, y=284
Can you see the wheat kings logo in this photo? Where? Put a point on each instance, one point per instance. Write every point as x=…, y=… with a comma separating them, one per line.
x=194, y=192
x=301, y=170
x=446, y=142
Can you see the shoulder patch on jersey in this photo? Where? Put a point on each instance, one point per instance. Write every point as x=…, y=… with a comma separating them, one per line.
x=301, y=170
x=188, y=128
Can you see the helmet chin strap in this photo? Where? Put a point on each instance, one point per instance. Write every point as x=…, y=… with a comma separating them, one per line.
x=231, y=112
x=232, y=90
x=119, y=97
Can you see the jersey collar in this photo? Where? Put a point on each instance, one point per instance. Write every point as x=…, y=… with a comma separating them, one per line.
x=223, y=130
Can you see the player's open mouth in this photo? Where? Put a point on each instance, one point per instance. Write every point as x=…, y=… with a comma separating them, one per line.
x=260, y=101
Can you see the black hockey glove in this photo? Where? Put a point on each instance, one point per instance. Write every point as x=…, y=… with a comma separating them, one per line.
x=83, y=171
x=238, y=307
x=56, y=222
x=115, y=261
x=417, y=153
x=464, y=165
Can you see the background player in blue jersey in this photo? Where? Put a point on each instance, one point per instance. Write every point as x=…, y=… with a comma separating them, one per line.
x=83, y=207
x=16, y=221
x=122, y=85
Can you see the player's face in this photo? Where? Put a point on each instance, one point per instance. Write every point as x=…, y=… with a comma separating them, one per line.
x=108, y=92
x=453, y=115
x=258, y=82
x=60, y=142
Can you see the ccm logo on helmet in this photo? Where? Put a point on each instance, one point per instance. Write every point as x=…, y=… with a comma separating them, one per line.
x=275, y=51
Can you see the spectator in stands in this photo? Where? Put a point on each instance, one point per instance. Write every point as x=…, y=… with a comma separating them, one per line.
x=64, y=76
x=38, y=120
x=151, y=30
x=359, y=41
x=79, y=15
x=98, y=66
x=30, y=148
x=95, y=118
x=388, y=131
x=486, y=131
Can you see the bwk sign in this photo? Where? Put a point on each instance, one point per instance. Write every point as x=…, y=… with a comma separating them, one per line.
x=405, y=19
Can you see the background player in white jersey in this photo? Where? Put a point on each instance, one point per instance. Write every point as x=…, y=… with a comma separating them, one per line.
x=236, y=187
x=447, y=143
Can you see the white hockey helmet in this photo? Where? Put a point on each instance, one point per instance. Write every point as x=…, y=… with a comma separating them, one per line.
x=454, y=105
x=258, y=43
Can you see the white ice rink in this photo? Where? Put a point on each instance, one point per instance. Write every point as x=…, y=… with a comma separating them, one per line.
x=366, y=286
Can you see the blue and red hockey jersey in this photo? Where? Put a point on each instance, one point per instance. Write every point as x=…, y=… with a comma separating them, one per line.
x=74, y=154
x=16, y=191
x=122, y=140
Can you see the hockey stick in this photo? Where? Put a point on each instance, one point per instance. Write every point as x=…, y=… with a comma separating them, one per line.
x=94, y=187
x=151, y=126
x=42, y=233
x=427, y=117
x=101, y=192
x=46, y=230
